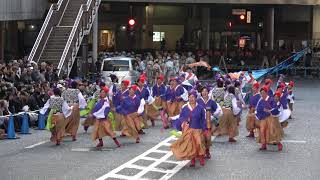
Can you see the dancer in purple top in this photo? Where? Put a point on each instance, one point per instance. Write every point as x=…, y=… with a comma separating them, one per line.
x=212, y=110
x=192, y=122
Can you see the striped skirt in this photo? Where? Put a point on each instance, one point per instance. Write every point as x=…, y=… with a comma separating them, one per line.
x=58, y=130
x=270, y=131
x=73, y=121
x=174, y=108
x=228, y=124
x=251, y=119
x=102, y=128
x=132, y=125
x=190, y=145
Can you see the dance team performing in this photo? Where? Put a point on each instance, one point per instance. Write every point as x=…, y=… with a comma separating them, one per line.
x=198, y=110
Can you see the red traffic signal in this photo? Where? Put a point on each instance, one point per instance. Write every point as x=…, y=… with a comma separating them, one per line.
x=242, y=17
x=132, y=22
x=229, y=24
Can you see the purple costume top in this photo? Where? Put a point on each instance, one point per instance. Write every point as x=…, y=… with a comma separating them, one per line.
x=284, y=100
x=253, y=102
x=195, y=117
x=103, y=114
x=130, y=105
x=143, y=93
x=187, y=87
x=270, y=93
x=113, y=88
x=170, y=94
x=118, y=97
x=210, y=105
x=261, y=106
x=179, y=90
x=159, y=91
x=275, y=108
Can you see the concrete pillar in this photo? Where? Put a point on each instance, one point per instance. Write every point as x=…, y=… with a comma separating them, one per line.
x=258, y=41
x=205, y=27
x=12, y=38
x=95, y=33
x=139, y=29
x=190, y=24
x=270, y=28
x=85, y=64
x=316, y=23
x=148, y=32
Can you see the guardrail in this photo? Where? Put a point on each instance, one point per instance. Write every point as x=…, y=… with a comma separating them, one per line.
x=83, y=22
x=20, y=113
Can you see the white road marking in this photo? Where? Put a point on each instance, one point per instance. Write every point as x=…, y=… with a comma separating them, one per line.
x=81, y=149
x=91, y=149
x=153, y=166
x=37, y=144
x=294, y=141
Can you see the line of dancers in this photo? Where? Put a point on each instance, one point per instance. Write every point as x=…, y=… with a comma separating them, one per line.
x=198, y=110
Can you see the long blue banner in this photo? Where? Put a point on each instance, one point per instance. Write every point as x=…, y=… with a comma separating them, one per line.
x=257, y=74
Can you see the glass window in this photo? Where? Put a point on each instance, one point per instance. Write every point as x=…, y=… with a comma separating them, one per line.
x=158, y=36
x=116, y=65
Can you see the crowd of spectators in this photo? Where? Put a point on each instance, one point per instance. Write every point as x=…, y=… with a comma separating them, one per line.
x=26, y=86
x=23, y=87
x=170, y=63
x=154, y=63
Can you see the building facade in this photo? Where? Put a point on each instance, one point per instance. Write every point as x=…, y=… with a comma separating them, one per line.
x=20, y=22
x=191, y=24
x=204, y=24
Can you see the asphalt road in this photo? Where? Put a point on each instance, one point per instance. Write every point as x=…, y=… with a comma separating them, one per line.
x=80, y=161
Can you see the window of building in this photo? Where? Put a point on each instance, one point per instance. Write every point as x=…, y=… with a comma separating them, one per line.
x=158, y=36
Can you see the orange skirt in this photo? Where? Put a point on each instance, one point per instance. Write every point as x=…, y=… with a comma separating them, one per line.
x=284, y=124
x=73, y=121
x=132, y=125
x=57, y=132
x=158, y=102
x=90, y=120
x=119, y=118
x=228, y=124
x=145, y=117
x=209, y=126
x=190, y=145
x=152, y=111
x=102, y=129
x=250, y=123
x=174, y=108
x=164, y=105
x=270, y=131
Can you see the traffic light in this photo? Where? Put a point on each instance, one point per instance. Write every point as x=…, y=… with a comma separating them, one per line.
x=131, y=26
x=242, y=17
x=131, y=22
x=229, y=24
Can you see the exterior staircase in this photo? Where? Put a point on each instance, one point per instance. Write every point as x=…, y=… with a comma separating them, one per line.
x=62, y=32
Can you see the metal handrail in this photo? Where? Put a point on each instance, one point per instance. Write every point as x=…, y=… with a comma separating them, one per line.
x=75, y=29
x=43, y=29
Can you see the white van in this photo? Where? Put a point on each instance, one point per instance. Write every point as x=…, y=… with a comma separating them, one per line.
x=122, y=67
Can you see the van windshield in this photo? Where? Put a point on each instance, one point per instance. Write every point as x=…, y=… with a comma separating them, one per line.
x=116, y=65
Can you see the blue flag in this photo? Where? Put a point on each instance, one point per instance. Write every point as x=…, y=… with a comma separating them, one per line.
x=257, y=74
